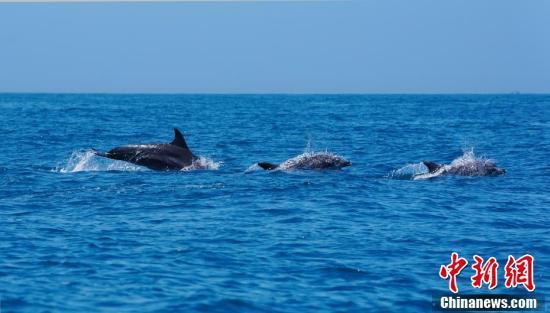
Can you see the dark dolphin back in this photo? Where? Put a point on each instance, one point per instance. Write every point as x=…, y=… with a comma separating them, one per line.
x=267, y=166
x=169, y=156
x=165, y=157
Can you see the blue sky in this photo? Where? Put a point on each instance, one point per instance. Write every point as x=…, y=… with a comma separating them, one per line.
x=361, y=46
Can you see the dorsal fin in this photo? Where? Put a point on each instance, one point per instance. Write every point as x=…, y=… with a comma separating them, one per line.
x=432, y=166
x=178, y=140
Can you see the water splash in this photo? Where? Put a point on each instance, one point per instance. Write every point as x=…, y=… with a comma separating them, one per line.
x=203, y=163
x=87, y=161
x=253, y=168
x=408, y=171
x=471, y=165
x=470, y=160
x=309, y=145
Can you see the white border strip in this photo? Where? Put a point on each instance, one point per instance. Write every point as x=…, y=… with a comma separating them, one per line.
x=160, y=1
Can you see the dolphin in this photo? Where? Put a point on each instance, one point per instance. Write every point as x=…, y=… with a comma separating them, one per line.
x=477, y=167
x=160, y=157
x=309, y=161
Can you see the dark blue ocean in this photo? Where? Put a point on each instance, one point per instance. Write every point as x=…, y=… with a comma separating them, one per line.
x=83, y=234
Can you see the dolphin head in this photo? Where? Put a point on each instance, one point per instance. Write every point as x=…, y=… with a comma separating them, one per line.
x=493, y=170
x=345, y=163
x=339, y=162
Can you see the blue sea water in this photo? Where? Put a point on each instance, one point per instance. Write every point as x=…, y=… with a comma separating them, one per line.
x=84, y=234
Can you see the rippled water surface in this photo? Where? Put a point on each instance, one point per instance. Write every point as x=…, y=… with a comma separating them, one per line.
x=80, y=233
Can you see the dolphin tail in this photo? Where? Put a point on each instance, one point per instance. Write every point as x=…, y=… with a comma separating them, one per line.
x=267, y=166
x=432, y=166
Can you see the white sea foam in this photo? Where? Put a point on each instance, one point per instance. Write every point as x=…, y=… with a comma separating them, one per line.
x=87, y=161
x=471, y=161
x=203, y=163
x=408, y=171
x=253, y=168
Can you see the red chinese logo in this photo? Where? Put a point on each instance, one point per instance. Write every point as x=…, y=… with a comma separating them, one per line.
x=517, y=272
x=485, y=273
x=452, y=270
x=520, y=272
